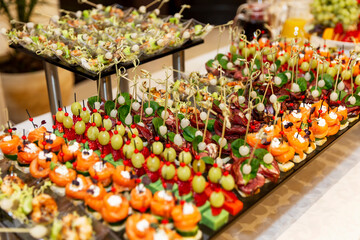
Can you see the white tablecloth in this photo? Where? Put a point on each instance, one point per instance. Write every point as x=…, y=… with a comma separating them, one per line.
x=322, y=201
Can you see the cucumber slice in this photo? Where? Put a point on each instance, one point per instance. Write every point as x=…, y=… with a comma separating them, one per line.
x=85, y=173
x=27, y=205
x=188, y=233
x=11, y=157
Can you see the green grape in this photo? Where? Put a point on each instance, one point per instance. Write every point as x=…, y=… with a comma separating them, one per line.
x=137, y=160
x=233, y=49
x=128, y=150
x=270, y=57
x=185, y=157
x=292, y=62
x=157, y=148
x=116, y=141
x=245, y=52
x=169, y=154
x=346, y=75
x=80, y=127
x=215, y=174
x=104, y=138
x=357, y=80
x=252, y=50
x=85, y=115
x=168, y=172
x=313, y=63
x=282, y=60
x=96, y=118
x=198, y=184
x=133, y=131
x=153, y=163
x=332, y=71
x=107, y=124
x=338, y=67
x=92, y=133
x=184, y=173
x=266, y=50
x=139, y=145
x=68, y=122
x=242, y=44
x=217, y=199
x=76, y=108
x=121, y=129
x=305, y=66
x=227, y=182
x=258, y=55
x=323, y=67
x=60, y=116
x=286, y=56
x=199, y=165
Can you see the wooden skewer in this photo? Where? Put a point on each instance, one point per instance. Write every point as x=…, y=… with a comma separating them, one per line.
x=152, y=3
x=207, y=121
x=14, y=230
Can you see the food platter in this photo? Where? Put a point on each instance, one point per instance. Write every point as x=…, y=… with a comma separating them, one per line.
x=266, y=191
x=183, y=159
x=93, y=76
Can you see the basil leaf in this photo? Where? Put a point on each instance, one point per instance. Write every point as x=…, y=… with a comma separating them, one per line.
x=357, y=102
x=137, y=118
x=92, y=100
x=223, y=63
x=283, y=78
x=282, y=98
x=210, y=63
x=189, y=133
x=68, y=165
x=219, y=56
x=58, y=134
x=329, y=80
x=240, y=92
x=278, y=64
x=157, y=122
x=123, y=111
x=258, y=64
x=171, y=136
x=195, y=143
x=255, y=163
x=302, y=84
x=235, y=145
x=260, y=153
x=52, y=165
x=126, y=96
x=109, y=106
x=208, y=160
x=210, y=125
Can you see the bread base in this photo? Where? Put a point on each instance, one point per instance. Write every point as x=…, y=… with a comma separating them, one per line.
x=353, y=119
x=297, y=158
x=198, y=236
x=343, y=126
x=321, y=141
x=310, y=149
x=284, y=167
x=58, y=190
x=244, y=195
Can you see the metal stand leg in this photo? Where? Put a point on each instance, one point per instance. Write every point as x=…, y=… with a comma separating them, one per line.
x=105, y=88
x=178, y=64
x=124, y=85
x=53, y=86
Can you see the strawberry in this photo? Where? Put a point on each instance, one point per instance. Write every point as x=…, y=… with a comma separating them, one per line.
x=200, y=198
x=184, y=187
x=339, y=29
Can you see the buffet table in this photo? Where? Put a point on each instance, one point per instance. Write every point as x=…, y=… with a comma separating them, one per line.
x=320, y=201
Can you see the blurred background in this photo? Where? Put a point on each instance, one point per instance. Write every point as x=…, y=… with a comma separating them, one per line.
x=22, y=79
